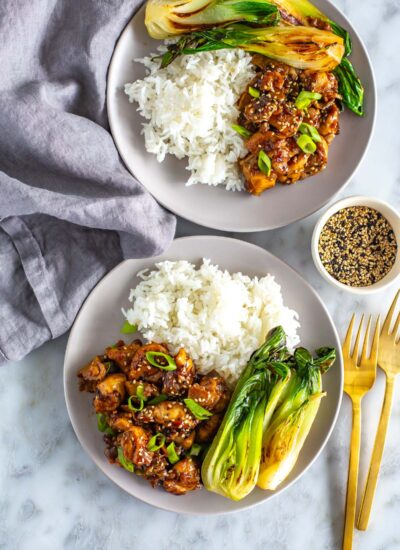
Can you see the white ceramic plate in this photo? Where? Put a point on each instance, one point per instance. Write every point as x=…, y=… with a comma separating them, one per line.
x=97, y=326
x=214, y=206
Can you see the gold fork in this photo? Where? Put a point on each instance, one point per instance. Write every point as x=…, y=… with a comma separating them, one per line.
x=359, y=377
x=389, y=361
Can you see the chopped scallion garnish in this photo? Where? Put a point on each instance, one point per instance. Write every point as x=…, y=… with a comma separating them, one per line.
x=102, y=425
x=156, y=442
x=197, y=410
x=309, y=130
x=241, y=130
x=127, y=328
x=254, y=92
x=132, y=407
x=151, y=358
x=304, y=99
x=171, y=453
x=264, y=163
x=125, y=463
x=306, y=144
x=195, y=449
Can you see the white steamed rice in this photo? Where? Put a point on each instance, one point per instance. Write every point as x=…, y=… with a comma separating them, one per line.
x=190, y=107
x=218, y=317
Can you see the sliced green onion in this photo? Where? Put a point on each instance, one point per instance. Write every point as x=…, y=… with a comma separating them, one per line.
x=254, y=92
x=309, y=130
x=195, y=449
x=127, y=328
x=102, y=424
x=140, y=392
x=156, y=442
x=197, y=410
x=151, y=358
x=158, y=399
x=241, y=130
x=306, y=144
x=125, y=463
x=132, y=407
x=108, y=366
x=264, y=162
x=171, y=453
x=304, y=99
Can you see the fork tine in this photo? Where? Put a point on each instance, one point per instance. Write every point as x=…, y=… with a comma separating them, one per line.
x=357, y=342
x=365, y=347
x=375, y=342
x=346, y=347
x=388, y=321
x=396, y=326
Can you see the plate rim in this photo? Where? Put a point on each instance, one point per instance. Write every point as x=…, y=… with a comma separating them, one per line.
x=229, y=227
x=243, y=506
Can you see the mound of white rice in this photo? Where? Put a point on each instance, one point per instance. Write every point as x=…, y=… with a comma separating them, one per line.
x=190, y=106
x=219, y=318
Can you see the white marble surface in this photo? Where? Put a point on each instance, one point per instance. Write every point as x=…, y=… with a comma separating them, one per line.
x=52, y=496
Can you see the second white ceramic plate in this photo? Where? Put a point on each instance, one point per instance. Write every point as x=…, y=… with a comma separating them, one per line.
x=214, y=206
x=98, y=324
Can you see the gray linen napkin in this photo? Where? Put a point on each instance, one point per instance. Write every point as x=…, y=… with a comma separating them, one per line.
x=69, y=210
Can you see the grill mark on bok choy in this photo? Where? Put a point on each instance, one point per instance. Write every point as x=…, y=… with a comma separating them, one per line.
x=300, y=47
x=165, y=19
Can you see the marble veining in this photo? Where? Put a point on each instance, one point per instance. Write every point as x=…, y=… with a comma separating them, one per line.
x=51, y=494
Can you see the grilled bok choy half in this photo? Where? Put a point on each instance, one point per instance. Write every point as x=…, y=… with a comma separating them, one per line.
x=232, y=462
x=303, y=12
x=164, y=19
x=300, y=47
x=292, y=420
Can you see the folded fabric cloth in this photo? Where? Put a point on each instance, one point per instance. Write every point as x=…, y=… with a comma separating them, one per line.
x=69, y=210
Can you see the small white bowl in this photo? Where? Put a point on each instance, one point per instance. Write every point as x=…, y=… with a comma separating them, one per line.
x=392, y=217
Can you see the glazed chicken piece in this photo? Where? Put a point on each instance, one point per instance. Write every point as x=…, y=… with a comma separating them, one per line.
x=122, y=354
x=110, y=393
x=177, y=382
x=184, y=477
x=134, y=443
x=256, y=181
x=120, y=421
x=92, y=374
x=149, y=390
x=211, y=392
x=321, y=82
x=183, y=440
x=274, y=122
x=206, y=431
x=260, y=109
x=329, y=126
x=286, y=120
x=157, y=470
x=169, y=414
x=318, y=160
x=275, y=77
x=141, y=369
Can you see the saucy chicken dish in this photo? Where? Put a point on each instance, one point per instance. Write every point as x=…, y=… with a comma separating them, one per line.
x=157, y=414
x=288, y=118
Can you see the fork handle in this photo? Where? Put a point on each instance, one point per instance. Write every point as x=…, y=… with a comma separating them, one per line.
x=373, y=473
x=351, y=497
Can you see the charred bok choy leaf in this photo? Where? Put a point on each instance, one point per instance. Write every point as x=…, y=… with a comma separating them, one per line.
x=300, y=47
x=232, y=462
x=303, y=12
x=164, y=18
x=292, y=420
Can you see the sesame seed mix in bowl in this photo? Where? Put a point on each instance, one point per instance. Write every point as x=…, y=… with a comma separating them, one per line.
x=357, y=246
